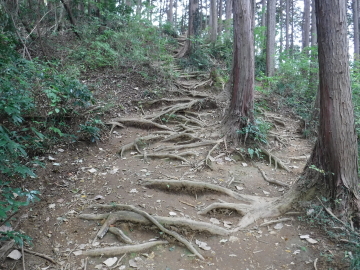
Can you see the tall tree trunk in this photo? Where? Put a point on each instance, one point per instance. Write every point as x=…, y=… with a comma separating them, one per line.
x=263, y=13
x=313, y=24
x=220, y=14
x=270, y=38
x=138, y=8
x=240, y=112
x=193, y=28
x=335, y=155
x=213, y=20
x=170, y=13
x=306, y=24
x=356, y=28
x=228, y=12
x=281, y=27
x=292, y=29
x=287, y=24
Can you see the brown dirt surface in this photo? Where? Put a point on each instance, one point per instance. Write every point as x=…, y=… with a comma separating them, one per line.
x=84, y=174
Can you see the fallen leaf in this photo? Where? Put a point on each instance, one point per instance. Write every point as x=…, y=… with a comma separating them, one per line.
x=311, y=241
x=110, y=261
x=133, y=264
x=278, y=226
x=202, y=245
x=15, y=254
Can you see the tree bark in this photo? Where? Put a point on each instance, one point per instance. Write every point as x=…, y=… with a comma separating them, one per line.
x=287, y=24
x=213, y=21
x=228, y=12
x=313, y=24
x=220, y=14
x=306, y=25
x=335, y=155
x=170, y=13
x=356, y=28
x=270, y=38
x=193, y=28
x=240, y=112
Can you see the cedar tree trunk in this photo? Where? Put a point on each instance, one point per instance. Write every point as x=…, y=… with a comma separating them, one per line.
x=240, y=112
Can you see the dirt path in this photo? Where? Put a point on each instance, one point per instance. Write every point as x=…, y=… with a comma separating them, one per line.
x=96, y=174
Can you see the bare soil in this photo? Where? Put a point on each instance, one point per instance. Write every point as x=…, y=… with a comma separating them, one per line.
x=96, y=174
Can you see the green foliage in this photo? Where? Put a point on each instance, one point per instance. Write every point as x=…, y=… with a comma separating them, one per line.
x=10, y=202
x=257, y=131
x=92, y=129
x=292, y=82
x=120, y=43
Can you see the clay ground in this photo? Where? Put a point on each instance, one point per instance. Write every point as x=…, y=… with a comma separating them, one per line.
x=84, y=174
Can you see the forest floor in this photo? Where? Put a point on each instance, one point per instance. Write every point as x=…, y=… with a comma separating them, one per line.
x=84, y=174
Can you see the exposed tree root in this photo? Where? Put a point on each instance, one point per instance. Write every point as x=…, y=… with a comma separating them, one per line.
x=275, y=221
x=193, y=225
x=178, y=156
x=114, y=251
x=155, y=222
x=142, y=123
x=276, y=160
x=114, y=124
x=207, y=161
x=151, y=103
x=197, y=187
x=121, y=235
x=186, y=146
x=46, y=257
x=142, y=140
x=240, y=208
x=275, y=182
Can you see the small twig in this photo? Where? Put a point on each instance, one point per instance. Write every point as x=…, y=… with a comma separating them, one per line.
x=85, y=263
x=119, y=261
x=189, y=204
x=331, y=213
x=40, y=255
x=315, y=262
x=23, y=257
x=275, y=221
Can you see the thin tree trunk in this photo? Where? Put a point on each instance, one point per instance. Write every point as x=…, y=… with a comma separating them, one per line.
x=263, y=13
x=270, y=38
x=306, y=25
x=313, y=25
x=170, y=13
x=281, y=27
x=220, y=20
x=228, y=12
x=213, y=25
x=71, y=18
x=287, y=24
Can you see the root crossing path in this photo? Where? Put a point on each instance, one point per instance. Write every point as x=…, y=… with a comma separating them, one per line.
x=168, y=191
